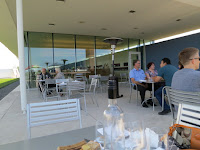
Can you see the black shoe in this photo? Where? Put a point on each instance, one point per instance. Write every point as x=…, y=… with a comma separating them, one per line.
x=164, y=112
x=149, y=101
x=145, y=105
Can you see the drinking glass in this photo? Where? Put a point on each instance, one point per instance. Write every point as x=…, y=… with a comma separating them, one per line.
x=134, y=135
x=158, y=138
x=99, y=133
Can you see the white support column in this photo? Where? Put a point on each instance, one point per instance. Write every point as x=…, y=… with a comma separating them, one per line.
x=20, y=41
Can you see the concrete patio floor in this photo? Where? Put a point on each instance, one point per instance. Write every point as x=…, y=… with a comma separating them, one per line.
x=13, y=121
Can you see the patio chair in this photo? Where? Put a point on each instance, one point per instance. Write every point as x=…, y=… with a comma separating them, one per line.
x=131, y=89
x=52, y=112
x=188, y=115
x=61, y=86
x=176, y=97
x=92, y=90
x=124, y=78
x=50, y=89
x=103, y=82
x=79, y=88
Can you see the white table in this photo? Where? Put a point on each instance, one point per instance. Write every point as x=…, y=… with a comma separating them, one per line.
x=51, y=142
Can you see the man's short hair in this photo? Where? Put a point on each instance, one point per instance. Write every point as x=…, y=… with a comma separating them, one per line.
x=135, y=61
x=186, y=54
x=166, y=60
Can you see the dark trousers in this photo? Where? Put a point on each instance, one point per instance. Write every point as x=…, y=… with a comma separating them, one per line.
x=158, y=95
x=142, y=91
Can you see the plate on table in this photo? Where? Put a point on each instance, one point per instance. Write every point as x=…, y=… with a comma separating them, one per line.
x=143, y=80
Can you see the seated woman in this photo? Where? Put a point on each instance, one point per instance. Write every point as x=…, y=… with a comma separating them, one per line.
x=59, y=74
x=151, y=72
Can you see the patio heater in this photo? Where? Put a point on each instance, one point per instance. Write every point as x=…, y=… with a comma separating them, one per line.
x=113, y=80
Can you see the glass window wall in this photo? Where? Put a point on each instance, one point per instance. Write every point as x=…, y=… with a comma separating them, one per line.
x=64, y=52
x=40, y=54
x=85, y=53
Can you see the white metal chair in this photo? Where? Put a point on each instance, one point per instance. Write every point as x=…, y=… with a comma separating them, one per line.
x=52, y=112
x=163, y=96
x=103, y=82
x=61, y=86
x=131, y=89
x=50, y=91
x=188, y=115
x=176, y=97
x=79, y=88
x=124, y=78
x=92, y=90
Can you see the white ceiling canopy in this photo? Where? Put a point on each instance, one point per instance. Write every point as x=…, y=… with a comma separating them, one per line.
x=152, y=19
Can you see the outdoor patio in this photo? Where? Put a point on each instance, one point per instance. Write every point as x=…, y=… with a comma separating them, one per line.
x=13, y=122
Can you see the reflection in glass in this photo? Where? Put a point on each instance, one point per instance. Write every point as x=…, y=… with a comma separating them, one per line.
x=41, y=53
x=64, y=52
x=103, y=57
x=85, y=53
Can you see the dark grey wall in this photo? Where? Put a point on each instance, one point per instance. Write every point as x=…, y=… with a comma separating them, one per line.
x=170, y=49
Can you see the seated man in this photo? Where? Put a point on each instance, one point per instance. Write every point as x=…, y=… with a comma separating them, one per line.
x=166, y=73
x=188, y=79
x=59, y=74
x=44, y=74
x=135, y=75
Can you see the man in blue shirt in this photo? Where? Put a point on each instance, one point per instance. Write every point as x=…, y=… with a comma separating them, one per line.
x=135, y=75
x=166, y=73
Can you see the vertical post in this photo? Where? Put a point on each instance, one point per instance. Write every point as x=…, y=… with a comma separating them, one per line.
x=95, y=61
x=144, y=56
x=20, y=41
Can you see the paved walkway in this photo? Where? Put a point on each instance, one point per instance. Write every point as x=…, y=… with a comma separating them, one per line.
x=13, y=121
x=7, y=89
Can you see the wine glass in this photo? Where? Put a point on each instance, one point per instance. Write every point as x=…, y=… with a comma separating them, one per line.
x=134, y=135
x=157, y=138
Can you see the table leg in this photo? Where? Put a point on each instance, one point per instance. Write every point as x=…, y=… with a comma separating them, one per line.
x=153, y=94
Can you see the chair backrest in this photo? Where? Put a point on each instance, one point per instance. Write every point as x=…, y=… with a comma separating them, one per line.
x=176, y=97
x=123, y=76
x=189, y=115
x=104, y=78
x=49, y=81
x=76, y=85
x=52, y=112
x=93, y=84
x=62, y=81
x=93, y=76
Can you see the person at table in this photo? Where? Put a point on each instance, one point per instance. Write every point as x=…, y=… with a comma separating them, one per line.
x=188, y=79
x=166, y=73
x=44, y=74
x=59, y=74
x=180, y=66
x=151, y=72
x=135, y=75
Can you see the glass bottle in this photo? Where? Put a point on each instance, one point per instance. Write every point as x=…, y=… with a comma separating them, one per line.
x=113, y=121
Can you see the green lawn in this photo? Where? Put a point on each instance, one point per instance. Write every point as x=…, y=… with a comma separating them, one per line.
x=5, y=82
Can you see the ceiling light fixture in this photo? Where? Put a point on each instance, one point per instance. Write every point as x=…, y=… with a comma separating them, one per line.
x=51, y=24
x=178, y=20
x=81, y=21
x=103, y=29
x=60, y=0
x=131, y=11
